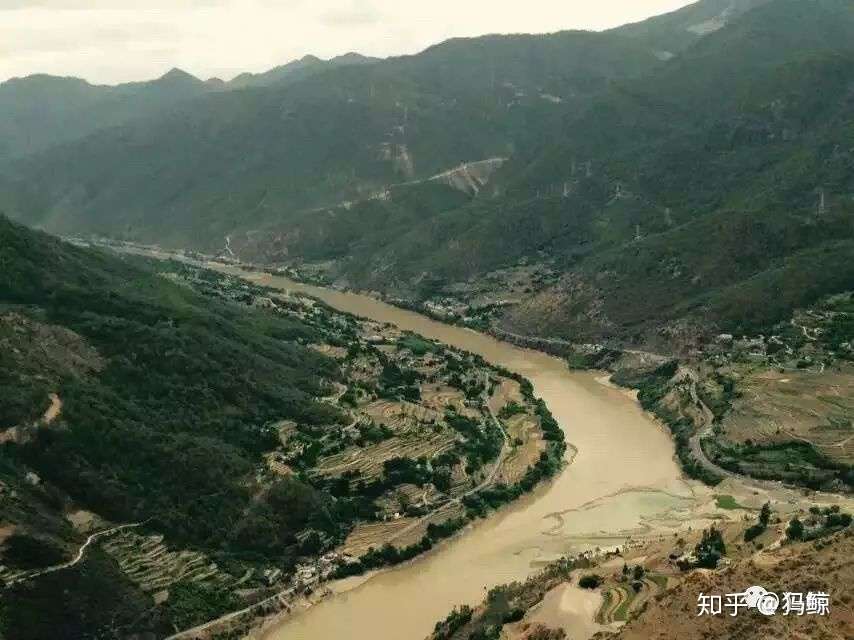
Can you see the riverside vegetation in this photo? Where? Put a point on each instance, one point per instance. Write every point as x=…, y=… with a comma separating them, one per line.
x=246, y=436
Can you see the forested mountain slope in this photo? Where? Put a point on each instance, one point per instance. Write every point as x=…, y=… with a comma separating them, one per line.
x=295, y=70
x=672, y=33
x=239, y=160
x=724, y=176
x=40, y=111
x=164, y=399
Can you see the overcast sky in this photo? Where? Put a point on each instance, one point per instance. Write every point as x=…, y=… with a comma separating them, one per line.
x=110, y=41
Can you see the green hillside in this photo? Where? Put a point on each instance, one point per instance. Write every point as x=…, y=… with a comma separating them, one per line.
x=235, y=161
x=41, y=111
x=184, y=383
x=165, y=395
x=693, y=189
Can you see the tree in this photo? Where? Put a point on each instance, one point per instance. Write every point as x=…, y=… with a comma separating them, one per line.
x=765, y=514
x=758, y=529
x=710, y=549
x=795, y=530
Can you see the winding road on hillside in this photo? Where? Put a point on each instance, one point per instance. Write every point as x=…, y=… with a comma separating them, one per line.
x=77, y=558
x=486, y=482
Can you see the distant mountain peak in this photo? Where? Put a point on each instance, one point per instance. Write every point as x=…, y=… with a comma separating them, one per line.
x=680, y=29
x=352, y=57
x=175, y=75
x=298, y=68
x=45, y=80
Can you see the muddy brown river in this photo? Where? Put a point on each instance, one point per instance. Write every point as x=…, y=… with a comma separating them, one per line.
x=622, y=478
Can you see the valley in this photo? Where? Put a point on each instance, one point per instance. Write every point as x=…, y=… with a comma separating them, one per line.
x=637, y=505
x=403, y=442
x=516, y=337
x=385, y=411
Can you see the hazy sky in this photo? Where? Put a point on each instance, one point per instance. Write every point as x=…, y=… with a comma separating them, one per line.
x=109, y=41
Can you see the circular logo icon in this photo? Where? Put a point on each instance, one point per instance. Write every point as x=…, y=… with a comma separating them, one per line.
x=767, y=604
x=752, y=596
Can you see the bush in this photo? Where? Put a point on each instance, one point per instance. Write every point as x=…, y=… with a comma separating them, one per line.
x=590, y=581
x=510, y=409
x=455, y=620
x=795, y=530
x=514, y=615
x=753, y=532
x=840, y=520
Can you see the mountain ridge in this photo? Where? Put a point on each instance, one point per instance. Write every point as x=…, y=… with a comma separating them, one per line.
x=606, y=145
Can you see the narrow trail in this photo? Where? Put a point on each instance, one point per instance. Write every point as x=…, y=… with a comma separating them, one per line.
x=48, y=417
x=804, y=330
x=80, y=554
x=228, y=246
x=557, y=342
x=53, y=411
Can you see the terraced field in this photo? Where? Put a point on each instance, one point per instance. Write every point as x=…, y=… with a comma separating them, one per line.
x=527, y=441
x=621, y=601
x=155, y=567
x=401, y=416
x=807, y=406
x=368, y=461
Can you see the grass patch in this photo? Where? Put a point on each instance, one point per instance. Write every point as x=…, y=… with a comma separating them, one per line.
x=726, y=502
x=417, y=345
x=660, y=581
x=606, y=604
x=622, y=612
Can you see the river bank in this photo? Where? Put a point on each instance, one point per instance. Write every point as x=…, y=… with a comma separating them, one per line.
x=624, y=487
x=623, y=483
